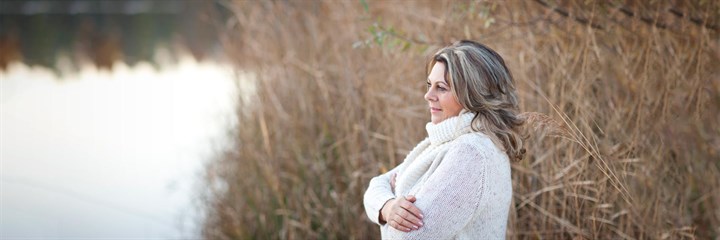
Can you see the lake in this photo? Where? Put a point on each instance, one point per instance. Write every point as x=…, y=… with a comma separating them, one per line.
x=99, y=154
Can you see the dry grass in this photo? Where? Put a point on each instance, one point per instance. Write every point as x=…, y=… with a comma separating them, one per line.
x=633, y=92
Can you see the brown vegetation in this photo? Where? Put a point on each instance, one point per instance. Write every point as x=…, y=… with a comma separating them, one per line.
x=634, y=91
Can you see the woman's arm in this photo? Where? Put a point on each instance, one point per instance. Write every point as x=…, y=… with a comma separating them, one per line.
x=378, y=193
x=451, y=195
x=380, y=198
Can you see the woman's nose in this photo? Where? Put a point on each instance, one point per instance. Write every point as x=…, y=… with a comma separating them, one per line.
x=429, y=95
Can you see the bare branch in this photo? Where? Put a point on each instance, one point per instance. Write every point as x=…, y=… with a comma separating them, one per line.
x=625, y=10
x=698, y=21
x=565, y=13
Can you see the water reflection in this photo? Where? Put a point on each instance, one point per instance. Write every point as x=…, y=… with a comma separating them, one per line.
x=109, y=154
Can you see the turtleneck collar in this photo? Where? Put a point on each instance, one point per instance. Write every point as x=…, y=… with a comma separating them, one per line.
x=450, y=128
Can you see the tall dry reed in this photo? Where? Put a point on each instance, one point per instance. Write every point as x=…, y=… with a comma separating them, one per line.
x=632, y=91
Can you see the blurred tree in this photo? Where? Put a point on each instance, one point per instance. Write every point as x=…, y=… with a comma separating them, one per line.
x=37, y=32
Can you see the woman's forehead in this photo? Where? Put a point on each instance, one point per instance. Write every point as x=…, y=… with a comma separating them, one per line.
x=437, y=74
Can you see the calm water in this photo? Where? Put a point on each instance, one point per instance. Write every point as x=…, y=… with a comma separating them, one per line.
x=101, y=154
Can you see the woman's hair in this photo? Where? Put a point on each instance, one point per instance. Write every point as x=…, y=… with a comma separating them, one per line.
x=483, y=85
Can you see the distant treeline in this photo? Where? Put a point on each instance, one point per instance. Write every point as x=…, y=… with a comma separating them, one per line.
x=37, y=33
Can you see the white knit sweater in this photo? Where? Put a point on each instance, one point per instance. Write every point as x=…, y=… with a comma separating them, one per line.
x=461, y=180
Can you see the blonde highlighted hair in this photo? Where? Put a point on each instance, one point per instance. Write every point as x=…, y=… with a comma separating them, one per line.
x=483, y=85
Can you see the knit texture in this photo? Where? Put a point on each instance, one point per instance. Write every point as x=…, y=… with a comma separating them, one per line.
x=460, y=178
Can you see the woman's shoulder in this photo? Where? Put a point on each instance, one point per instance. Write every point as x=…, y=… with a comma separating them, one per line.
x=475, y=139
x=480, y=143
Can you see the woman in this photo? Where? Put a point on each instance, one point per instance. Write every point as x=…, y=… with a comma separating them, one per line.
x=456, y=183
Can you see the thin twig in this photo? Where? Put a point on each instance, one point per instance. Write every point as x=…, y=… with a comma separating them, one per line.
x=565, y=13
x=625, y=10
x=698, y=21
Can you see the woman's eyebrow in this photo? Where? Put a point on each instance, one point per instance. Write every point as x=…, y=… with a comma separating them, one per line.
x=444, y=81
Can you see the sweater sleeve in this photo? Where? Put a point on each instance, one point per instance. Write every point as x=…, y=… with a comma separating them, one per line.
x=379, y=191
x=451, y=195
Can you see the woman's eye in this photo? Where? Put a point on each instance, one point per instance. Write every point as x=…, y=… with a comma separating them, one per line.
x=428, y=85
x=442, y=89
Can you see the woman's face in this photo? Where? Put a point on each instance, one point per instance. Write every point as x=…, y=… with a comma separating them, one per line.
x=443, y=104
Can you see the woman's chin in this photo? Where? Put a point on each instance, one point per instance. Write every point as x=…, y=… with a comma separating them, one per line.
x=436, y=119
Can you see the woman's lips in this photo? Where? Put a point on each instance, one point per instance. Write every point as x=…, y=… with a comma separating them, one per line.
x=434, y=110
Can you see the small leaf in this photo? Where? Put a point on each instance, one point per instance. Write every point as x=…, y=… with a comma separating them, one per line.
x=365, y=5
x=489, y=22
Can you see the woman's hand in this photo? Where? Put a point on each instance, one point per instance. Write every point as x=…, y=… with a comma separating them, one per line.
x=402, y=214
